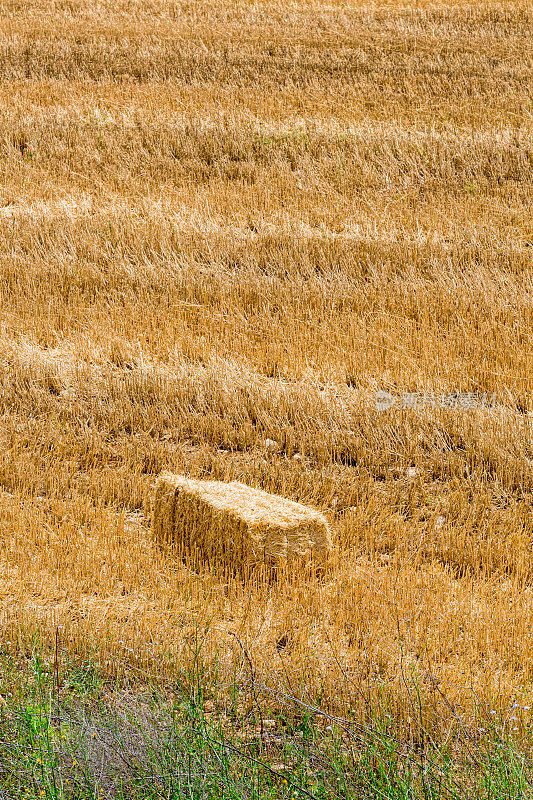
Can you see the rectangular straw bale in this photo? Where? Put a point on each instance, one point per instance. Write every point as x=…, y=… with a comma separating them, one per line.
x=235, y=523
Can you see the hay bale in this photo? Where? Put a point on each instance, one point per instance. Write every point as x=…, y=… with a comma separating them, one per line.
x=235, y=524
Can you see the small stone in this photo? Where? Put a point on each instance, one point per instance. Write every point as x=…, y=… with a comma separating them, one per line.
x=412, y=472
x=297, y=457
x=271, y=446
x=439, y=522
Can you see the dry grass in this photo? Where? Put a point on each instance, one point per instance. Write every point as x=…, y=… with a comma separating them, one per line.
x=223, y=223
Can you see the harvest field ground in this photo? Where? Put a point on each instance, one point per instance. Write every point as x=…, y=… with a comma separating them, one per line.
x=225, y=228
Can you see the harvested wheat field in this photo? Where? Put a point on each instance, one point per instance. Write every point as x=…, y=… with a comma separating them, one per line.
x=225, y=227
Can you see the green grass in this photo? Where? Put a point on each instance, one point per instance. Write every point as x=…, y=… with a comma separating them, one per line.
x=68, y=733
